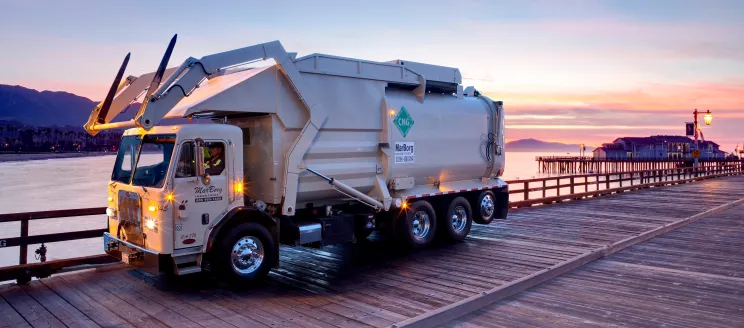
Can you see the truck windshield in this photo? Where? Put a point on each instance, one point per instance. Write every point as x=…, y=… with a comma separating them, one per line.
x=143, y=161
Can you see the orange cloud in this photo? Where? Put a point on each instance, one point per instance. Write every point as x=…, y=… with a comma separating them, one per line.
x=650, y=97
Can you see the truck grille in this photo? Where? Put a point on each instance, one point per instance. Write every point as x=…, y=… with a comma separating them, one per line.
x=129, y=208
x=130, y=217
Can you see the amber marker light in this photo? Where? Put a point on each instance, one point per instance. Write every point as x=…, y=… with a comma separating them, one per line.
x=238, y=187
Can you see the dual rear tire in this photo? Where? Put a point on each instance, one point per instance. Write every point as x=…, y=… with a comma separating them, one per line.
x=418, y=225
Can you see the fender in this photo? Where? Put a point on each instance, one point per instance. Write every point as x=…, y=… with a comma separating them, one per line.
x=239, y=215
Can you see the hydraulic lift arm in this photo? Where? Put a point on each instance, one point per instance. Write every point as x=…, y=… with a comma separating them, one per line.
x=189, y=75
x=184, y=79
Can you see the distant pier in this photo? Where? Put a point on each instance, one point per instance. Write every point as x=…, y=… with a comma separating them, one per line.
x=575, y=164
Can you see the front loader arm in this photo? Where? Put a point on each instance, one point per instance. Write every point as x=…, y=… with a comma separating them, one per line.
x=189, y=75
x=128, y=91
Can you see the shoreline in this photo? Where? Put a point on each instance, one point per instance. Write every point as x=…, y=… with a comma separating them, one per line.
x=23, y=157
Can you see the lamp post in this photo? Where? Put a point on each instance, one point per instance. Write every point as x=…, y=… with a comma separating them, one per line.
x=707, y=118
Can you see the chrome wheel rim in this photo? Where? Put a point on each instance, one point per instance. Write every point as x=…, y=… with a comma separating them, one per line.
x=420, y=225
x=486, y=206
x=459, y=219
x=247, y=255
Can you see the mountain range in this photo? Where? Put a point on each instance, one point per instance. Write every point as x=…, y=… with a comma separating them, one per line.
x=43, y=108
x=23, y=106
x=538, y=145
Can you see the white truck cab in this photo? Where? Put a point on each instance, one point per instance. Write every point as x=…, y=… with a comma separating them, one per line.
x=159, y=201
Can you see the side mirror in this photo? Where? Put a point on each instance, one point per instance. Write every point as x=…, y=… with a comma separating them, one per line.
x=200, y=172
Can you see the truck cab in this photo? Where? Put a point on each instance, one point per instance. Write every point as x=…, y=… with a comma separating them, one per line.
x=168, y=188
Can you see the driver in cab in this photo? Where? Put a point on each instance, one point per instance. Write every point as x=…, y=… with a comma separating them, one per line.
x=215, y=163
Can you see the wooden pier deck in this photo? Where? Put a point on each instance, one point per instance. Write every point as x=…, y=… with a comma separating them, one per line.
x=375, y=284
x=691, y=277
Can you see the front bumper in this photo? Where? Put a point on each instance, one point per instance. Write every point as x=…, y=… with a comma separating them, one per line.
x=140, y=257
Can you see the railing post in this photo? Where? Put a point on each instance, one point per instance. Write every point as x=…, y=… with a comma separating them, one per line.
x=572, y=185
x=526, y=190
x=607, y=181
x=24, y=248
x=544, y=185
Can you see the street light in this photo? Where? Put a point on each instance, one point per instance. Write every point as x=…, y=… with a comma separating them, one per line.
x=708, y=118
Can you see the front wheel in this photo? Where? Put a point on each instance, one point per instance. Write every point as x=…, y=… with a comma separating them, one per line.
x=246, y=253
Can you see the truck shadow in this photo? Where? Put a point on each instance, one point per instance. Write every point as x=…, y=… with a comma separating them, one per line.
x=331, y=269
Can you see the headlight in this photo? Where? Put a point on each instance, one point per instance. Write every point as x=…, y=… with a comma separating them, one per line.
x=150, y=224
x=110, y=211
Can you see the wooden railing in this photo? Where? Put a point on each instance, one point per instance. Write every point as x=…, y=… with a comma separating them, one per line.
x=555, y=189
x=683, y=158
x=534, y=192
x=23, y=271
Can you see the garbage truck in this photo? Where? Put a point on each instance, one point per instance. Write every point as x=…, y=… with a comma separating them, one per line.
x=272, y=149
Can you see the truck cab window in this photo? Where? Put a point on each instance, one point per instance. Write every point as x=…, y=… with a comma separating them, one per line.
x=186, y=166
x=214, y=158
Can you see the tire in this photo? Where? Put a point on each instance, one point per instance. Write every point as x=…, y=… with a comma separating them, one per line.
x=485, y=207
x=251, y=240
x=417, y=226
x=456, y=222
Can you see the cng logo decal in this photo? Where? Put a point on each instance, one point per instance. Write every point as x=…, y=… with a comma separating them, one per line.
x=403, y=121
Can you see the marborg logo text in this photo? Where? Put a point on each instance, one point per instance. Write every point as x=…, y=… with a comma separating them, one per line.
x=207, y=190
x=404, y=147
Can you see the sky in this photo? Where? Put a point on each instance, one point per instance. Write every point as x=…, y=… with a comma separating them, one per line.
x=574, y=71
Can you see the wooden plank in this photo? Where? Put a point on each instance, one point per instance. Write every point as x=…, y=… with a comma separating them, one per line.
x=61, y=309
x=83, y=303
x=143, y=303
x=166, y=300
x=9, y=317
x=113, y=303
x=33, y=312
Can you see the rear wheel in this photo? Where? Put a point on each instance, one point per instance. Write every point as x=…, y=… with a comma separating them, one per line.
x=456, y=222
x=246, y=253
x=417, y=226
x=485, y=206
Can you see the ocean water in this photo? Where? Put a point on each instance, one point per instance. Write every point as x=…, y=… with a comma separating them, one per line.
x=68, y=183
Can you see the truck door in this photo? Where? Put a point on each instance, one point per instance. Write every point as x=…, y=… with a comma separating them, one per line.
x=197, y=204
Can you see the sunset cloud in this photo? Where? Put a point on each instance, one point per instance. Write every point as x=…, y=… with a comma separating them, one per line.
x=574, y=70
x=664, y=97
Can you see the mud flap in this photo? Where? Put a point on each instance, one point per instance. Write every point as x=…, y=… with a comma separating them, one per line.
x=502, y=203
